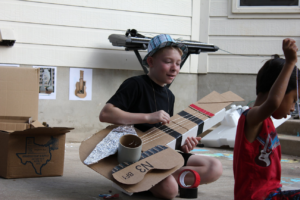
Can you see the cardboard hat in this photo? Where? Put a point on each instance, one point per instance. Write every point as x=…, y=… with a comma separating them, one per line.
x=161, y=41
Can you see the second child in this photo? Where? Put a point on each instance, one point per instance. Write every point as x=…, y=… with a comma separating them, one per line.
x=257, y=151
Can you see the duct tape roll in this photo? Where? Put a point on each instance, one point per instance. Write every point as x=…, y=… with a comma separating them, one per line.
x=182, y=175
x=188, y=192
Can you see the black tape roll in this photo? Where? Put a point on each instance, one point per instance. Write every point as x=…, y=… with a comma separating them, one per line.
x=188, y=193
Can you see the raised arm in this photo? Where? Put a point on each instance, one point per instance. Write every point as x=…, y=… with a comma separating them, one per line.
x=115, y=115
x=258, y=114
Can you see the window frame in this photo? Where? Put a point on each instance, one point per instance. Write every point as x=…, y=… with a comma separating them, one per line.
x=236, y=8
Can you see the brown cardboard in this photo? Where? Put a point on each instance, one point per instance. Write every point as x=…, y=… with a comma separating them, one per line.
x=26, y=151
x=37, y=124
x=35, y=152
x=105, y=166
x=19, y=89
x=15, y=119
x=136, y=172
x=9, y=127
x=166, y=162
x=14, y=123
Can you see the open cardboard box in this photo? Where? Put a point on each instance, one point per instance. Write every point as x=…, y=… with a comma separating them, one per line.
x=27, y=149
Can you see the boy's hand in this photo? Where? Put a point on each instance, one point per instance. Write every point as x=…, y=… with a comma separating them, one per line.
x=290, y=50
x=190, y=144
x=159, y=116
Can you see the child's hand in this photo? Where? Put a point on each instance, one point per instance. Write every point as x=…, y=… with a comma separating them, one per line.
x=159, y=116
x=290, y=50
x=190, y=144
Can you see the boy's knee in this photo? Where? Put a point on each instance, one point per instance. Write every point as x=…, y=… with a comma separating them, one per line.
x=166, y=189
x=216, y=170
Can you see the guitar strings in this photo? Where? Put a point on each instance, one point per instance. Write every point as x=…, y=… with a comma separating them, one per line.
x=168, y=128
x=161, y=132
x=198, y=113
x=185, y=119
x=177, y=124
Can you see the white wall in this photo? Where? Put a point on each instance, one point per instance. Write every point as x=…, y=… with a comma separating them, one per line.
x=74, y=33
x=256, y=35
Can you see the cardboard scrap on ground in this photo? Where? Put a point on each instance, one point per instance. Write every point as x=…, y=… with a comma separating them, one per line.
x=146, y=173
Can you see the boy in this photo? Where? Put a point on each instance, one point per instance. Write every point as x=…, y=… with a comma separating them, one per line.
x=257, y=152
x=145, y=101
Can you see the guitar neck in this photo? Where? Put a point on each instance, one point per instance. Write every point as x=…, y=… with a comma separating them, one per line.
x=81, y=80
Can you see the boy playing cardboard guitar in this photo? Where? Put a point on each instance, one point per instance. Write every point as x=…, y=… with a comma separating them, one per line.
x=257, y=152
x=146, y=102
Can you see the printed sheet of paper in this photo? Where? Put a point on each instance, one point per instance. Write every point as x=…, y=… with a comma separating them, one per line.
x=47, y=84
x=80, y=85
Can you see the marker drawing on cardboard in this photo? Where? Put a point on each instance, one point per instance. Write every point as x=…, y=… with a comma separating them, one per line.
x=80, y=87
x=159, y=144
x=38, y=155
x=47, y=82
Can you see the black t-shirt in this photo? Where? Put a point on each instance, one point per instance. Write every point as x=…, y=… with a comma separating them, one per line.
x=136, y=95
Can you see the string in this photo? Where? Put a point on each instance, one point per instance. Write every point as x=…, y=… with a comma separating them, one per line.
x=171, y=128
x=177, y=124
x=185, y=119
x=163, y=132
x=160, y=132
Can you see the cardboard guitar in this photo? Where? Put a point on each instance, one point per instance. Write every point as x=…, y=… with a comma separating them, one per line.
x=160, y=158
x=80, y=90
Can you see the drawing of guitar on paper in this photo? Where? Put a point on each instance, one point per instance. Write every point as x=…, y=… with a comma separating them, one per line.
x=80, y=90
x=263, y=158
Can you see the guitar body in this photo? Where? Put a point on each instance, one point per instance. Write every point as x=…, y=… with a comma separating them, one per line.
x=263, y=159
x=77, y=90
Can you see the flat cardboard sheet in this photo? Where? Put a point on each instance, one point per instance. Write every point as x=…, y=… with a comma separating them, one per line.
x=19, y=91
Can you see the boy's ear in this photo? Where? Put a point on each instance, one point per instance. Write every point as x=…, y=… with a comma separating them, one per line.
x=150, y=61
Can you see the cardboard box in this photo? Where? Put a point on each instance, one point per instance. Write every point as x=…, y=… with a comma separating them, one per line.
x=34, y=152
x=27, y=148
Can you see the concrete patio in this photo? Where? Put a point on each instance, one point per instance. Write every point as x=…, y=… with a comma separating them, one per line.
x=80, y=182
